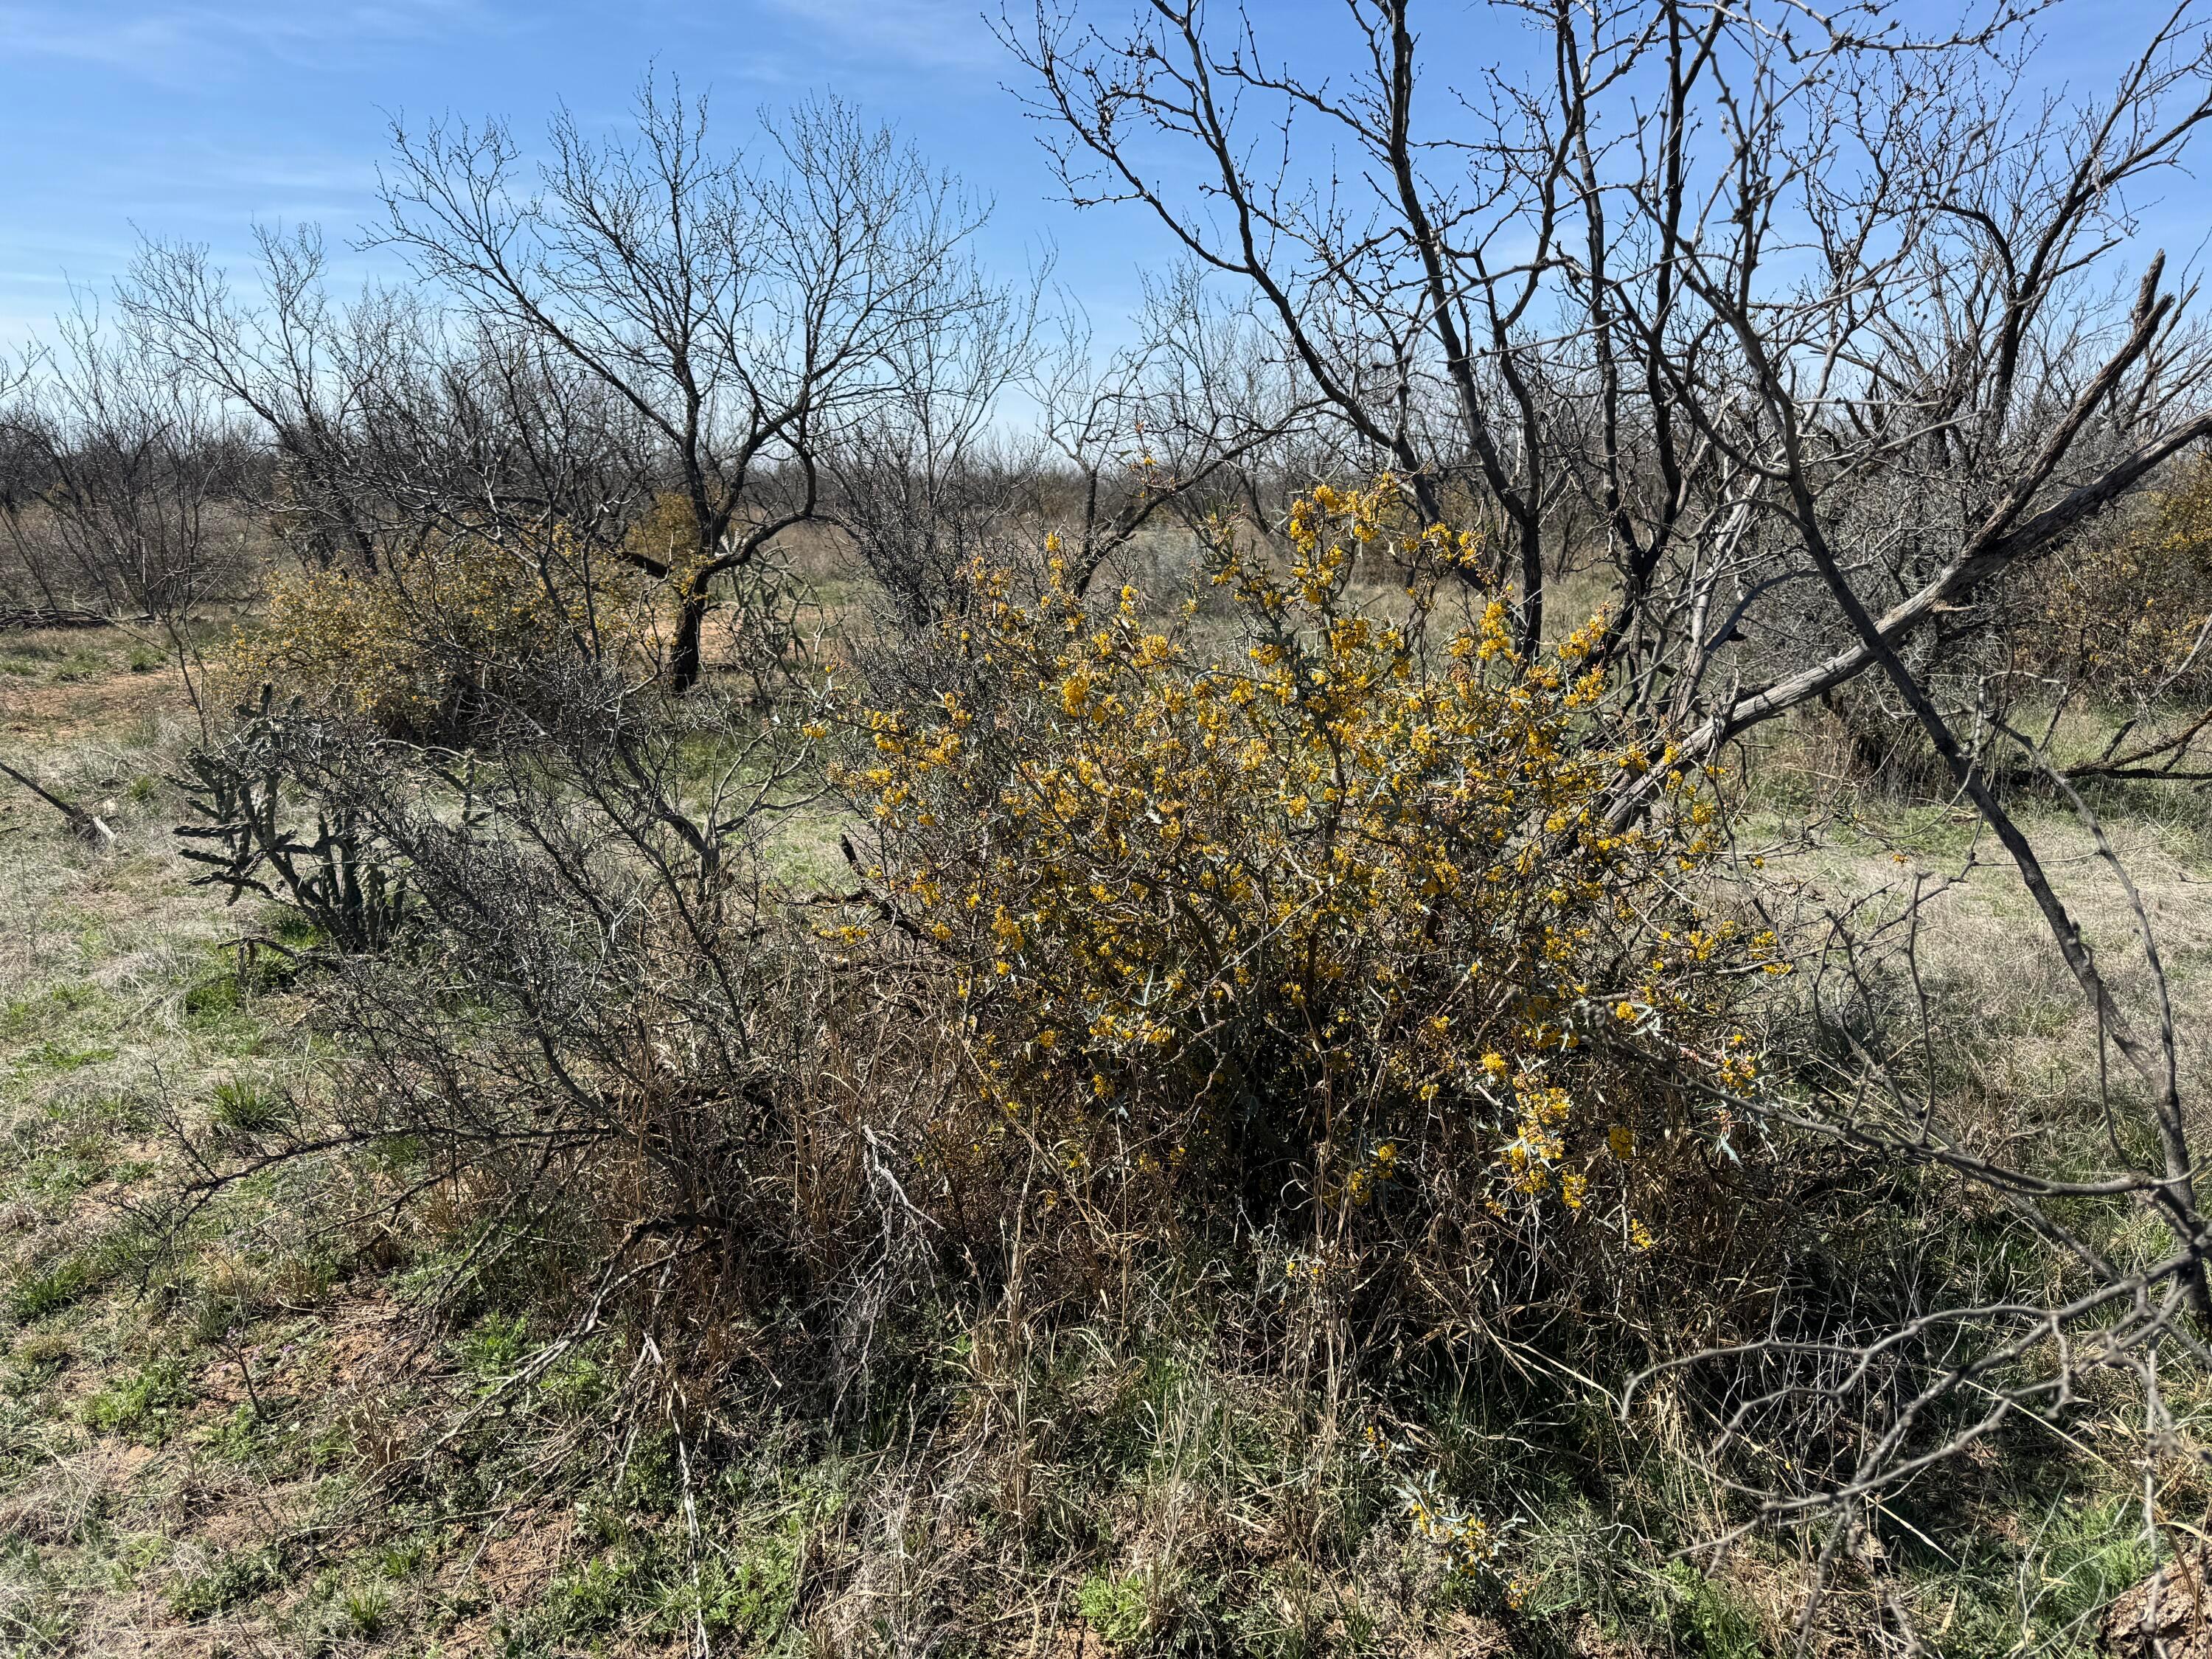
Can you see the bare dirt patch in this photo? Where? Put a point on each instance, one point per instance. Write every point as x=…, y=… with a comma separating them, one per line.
x=111, y=706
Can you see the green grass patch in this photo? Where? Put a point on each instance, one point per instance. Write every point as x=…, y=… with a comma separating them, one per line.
x=145, y=1404
x=236, y=1579
x=72, y=1276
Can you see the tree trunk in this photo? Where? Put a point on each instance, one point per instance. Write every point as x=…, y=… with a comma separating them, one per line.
x=683, y=665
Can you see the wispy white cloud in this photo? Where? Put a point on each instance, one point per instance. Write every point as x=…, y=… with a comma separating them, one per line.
x=172, y=43
x=130, y=43
x=927, y=34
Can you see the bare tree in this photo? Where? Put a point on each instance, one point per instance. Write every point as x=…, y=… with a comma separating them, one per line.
x=135, y=467
x=1193, y=418
x=36, y=586
x=492, y=435
x=743, y=308
x=297, y=362
x=1019, y=426
x=924, y=478
x=393, y=423
x=1529, y=293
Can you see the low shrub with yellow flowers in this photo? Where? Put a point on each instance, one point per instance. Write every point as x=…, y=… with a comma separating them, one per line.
x=1325, y=920
x=2132, y=612
x=412, y=643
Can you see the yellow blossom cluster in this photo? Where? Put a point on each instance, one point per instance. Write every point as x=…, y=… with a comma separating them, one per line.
x=405, y=642
x=2133, y=611
x=1470, y=1546
x=1332, y=893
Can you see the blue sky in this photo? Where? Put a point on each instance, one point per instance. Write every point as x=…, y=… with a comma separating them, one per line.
x=194, y=119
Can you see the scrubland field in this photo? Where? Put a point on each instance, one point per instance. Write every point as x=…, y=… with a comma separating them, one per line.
x=1493, y=936
x=344, y=1402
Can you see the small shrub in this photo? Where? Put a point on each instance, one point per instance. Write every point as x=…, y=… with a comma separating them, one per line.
x=1115, y=1608
x=235, y=1579
x=2126, y=612
x=57, y=1056
x=213, y=999
x=601, y=1592
x=342, y=882
x=496, y=1346
x=405, y=1559
x=69, y=1277
x=1707, y=1619
x=365, y=1609
x=417, y=644
x=49, y=1291
x=576, y=1385
x=754, y=1595
x=44, y=1352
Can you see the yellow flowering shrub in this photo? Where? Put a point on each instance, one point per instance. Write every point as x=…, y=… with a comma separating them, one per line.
x=1323, y=918
x=2133, y=612
x=409, y=644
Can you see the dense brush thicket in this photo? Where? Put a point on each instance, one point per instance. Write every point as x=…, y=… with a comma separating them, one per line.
x=1300, y=914
x=1299, y=960
x=1294, y=969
